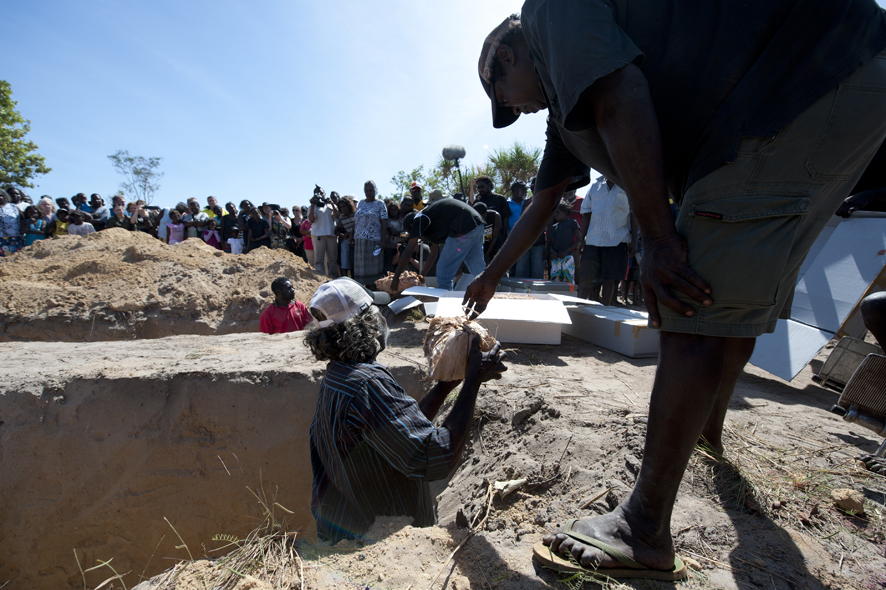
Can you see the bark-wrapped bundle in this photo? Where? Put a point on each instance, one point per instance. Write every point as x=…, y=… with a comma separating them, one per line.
x=407, y=279
x=448, y=343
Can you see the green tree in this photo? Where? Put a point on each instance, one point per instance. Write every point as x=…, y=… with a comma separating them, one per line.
x=19, y=160
x=402, y=182
x=516, y=162
x=142, y=179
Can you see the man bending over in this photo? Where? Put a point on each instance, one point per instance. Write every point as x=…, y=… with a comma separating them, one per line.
x=758, y=128
x=373, y=448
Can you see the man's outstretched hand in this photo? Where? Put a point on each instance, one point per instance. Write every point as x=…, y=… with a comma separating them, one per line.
x=485, y=366
x=477, y=295
x=665, y=265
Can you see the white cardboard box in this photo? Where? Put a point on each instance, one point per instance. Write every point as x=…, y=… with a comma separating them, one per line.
x=521, y=321
x=623, y=331
x=845, y=262
x=535, y=286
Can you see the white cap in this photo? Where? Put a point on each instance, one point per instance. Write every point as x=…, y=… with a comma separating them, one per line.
x=338, y=301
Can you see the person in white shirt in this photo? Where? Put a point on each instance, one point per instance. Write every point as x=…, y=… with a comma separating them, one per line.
x=236, y=242
x=609, y=240
x=322, y=215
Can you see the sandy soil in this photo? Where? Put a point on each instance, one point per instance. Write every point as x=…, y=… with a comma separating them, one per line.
x=571, y=420
x=115, y=284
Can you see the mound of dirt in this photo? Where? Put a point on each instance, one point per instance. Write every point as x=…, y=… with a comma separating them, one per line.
x=115, y=284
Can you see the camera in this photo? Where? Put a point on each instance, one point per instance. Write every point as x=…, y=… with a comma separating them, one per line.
x=319, y=199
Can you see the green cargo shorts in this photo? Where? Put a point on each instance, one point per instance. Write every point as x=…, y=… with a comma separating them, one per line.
x=750, y=224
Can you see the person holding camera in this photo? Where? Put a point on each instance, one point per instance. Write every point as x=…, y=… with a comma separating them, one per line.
x=322, y=215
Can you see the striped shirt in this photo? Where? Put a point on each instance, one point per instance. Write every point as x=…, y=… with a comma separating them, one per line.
x=373, y=452
x=610, y=215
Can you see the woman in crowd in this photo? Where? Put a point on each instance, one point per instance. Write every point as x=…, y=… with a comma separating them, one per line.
x=47, y=210
x=33, y=226
x=344, y=229
x=118, y=219
x=11, y=239
x=392, y=237
x=369, y=229
x=258, y=231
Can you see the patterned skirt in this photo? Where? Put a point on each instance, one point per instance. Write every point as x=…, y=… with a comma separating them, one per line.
x=366, y=265
x=563, y=269
x=9, y=246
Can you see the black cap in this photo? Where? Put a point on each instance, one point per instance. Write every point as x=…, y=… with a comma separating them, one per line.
x=501, y=116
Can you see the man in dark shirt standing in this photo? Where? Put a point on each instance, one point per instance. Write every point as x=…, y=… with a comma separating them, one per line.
x=373, y=447
x=492, y=200
x=459, y=228
x=758, y=128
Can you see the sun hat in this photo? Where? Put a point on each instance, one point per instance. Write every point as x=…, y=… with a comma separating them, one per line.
x=435, y=195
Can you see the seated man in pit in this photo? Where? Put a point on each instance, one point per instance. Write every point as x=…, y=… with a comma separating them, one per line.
x=285, y=314
x=373, y=447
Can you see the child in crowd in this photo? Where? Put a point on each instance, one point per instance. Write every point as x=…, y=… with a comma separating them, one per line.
x=78, y=227
x=565, y=239
x=211, y=235
x=309, y=243
x=235, y=242
x=33, y=226
x=175, y=230
x=59, y=227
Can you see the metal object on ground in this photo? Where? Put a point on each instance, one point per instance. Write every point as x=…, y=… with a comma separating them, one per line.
x=843, y=361
x=864, y=398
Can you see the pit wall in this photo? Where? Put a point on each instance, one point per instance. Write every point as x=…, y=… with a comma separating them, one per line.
x=94, y=466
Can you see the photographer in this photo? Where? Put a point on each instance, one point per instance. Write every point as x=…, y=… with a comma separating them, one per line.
x=322, y=215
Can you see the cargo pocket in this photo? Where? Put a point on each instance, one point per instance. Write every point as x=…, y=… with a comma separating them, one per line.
x=856, y=113
x=740, y=244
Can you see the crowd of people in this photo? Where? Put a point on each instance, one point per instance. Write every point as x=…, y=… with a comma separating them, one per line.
x=337, y=235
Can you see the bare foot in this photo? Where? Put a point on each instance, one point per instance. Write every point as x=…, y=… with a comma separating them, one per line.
x=622, y=531
x=875, y=464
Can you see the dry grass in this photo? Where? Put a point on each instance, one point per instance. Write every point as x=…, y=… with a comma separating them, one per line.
x=268, y=554
x=792, y=482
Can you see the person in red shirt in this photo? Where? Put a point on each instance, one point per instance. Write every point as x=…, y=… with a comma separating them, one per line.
x=285, y=314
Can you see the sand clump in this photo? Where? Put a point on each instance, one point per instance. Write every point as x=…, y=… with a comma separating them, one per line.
x=115, y=285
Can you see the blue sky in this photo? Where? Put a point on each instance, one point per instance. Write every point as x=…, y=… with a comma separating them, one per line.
x=255, y=100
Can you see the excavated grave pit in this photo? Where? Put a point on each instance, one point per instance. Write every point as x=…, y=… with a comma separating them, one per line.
x=97, y=455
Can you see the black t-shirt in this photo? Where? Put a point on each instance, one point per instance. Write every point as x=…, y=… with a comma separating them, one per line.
x=444, y=218
x=564, y=235
x=496, y=202
x=717, y=71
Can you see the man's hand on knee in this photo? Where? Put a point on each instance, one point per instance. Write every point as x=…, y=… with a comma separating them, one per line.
x=665, y=265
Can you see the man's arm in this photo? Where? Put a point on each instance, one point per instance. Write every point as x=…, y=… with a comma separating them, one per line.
x=585, y=226
x=401, y=266
x=481, y=367
x=526, y=231
x=430, y=403
x=311, y=215
x=429, y=263
x=626, y=120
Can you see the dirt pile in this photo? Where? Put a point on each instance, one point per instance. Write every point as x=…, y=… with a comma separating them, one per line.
x=115, y=285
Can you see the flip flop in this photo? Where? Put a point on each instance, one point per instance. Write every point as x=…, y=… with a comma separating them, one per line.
x=547, y=558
